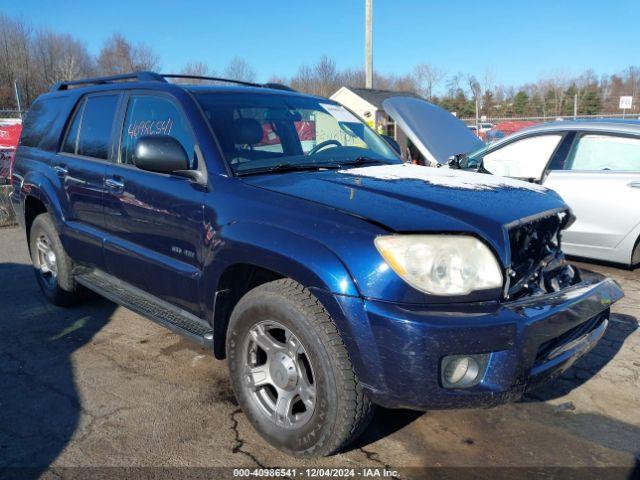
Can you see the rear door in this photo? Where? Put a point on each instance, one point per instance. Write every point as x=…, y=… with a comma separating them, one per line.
x=600, y=180
x=80, y=165
x=154, y=221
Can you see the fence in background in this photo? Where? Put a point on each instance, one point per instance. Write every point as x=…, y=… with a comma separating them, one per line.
x=495, y=120
x=7, y=216
x=12, y=113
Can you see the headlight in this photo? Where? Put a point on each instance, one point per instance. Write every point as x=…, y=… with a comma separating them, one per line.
x=441, y=264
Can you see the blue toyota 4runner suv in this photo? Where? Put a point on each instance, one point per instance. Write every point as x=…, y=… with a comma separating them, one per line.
x=279, y=230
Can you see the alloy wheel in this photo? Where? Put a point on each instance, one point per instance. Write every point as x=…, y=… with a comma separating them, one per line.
x=278, y=375
x=47, y=261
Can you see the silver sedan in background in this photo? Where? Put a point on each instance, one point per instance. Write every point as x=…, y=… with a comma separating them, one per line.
x=594, y=166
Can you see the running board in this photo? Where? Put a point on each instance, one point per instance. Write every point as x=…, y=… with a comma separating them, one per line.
x=155, y=309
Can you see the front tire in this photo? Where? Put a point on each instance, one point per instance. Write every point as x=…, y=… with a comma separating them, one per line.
x=52, y=265
x=291, y=372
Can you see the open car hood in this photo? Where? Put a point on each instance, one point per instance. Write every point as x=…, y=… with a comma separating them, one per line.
x=434, y=131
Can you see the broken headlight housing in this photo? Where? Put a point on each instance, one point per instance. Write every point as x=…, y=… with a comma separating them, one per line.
x=441, y=264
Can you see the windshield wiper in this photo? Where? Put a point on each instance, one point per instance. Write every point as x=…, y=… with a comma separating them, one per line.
x=300, y=167
x=360, y=161
x=289, y=167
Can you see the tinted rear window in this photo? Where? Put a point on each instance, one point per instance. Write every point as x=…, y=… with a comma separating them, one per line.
x=43, y=124
x=97, y=126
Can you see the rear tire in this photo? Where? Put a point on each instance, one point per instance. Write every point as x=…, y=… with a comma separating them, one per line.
x=304, y=359
x=52, y=265
x=635, y=256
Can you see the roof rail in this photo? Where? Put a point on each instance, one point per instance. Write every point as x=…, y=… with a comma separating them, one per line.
x=215, y=79
x=138, y=76
x=159, y=77
x=278, y=86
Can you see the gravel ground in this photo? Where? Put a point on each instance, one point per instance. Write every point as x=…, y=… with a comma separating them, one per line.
x=98, y=385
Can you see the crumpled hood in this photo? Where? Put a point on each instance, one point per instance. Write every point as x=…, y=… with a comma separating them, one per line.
x=412, y=198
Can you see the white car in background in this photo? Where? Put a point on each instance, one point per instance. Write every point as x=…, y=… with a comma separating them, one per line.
x=593, y=165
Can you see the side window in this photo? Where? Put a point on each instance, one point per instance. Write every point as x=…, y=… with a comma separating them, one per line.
x=149, y=115
x=97, y=126
x=41, y=127
x=604, y=152
x=71, y=141
x=524, y=158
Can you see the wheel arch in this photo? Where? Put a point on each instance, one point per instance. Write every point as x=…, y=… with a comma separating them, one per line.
x=254, y=254
x=37, y=196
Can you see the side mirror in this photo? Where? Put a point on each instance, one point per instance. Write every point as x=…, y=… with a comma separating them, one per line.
x=393, y=144
x=454, y=162
x=160, y=153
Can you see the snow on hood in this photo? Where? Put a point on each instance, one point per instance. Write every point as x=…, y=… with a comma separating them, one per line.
x=442, y=177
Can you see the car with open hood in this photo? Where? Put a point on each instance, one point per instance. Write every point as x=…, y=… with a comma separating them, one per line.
x=577, y=159
x=280, y=231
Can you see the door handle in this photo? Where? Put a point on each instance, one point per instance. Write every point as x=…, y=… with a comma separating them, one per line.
x=634, y=184
x=114, y=184
x=61, y=170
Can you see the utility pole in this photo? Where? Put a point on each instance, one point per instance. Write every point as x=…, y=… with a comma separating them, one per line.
x=368, y=44
x=15, y=87
x=575, y=106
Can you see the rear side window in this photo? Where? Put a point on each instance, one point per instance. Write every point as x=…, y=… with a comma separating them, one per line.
x=151, y=115
x=96, y=126
x=43, y=125
x=605, y=152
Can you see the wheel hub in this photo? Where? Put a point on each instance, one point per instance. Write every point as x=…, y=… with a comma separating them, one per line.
x=283, y=371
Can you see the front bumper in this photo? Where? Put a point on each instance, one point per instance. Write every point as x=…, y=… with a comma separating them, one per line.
x=400, y=348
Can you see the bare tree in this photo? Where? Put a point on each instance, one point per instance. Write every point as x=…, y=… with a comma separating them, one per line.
x=239, y=69
x=320, y=79
x=15, y=59
x=196, y=69
x=427, y=78
x=356, y=78
x=118, y=56
x=60, y=57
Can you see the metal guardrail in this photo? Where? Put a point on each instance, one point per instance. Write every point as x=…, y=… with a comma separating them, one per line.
x=552, y=118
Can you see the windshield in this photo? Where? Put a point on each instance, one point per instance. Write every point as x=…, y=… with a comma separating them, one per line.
x=259, y=132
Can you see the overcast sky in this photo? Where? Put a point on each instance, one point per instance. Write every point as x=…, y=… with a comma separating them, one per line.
x=517, y=41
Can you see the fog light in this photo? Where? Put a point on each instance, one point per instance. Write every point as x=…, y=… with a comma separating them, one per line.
x=463, y=371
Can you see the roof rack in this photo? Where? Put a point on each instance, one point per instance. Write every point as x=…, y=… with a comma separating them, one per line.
x=215, y=79
x=277, y=86
x=137, y=76
x=158, y=77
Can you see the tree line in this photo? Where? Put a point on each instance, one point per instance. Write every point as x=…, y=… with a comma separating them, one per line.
x=37, y=58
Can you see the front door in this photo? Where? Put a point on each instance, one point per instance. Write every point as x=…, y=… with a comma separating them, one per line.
x=600, y=180
x=154, y=221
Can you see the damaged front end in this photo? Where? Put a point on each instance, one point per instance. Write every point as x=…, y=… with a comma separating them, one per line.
x=538, y=265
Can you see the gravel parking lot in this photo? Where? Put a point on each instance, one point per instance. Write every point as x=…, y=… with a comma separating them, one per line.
x=98, y=385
